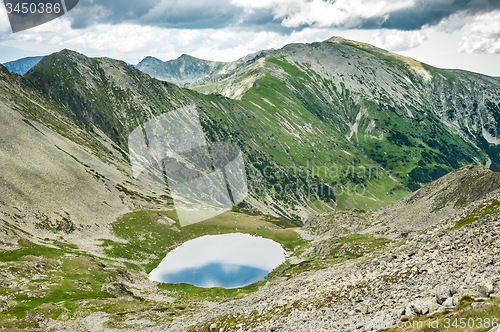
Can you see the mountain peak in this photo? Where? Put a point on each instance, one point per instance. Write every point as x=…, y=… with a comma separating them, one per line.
x=150, y=58
x=336, y=39
x=191, y=58
x=22, y=66
x=67, y=51
x=147, y=62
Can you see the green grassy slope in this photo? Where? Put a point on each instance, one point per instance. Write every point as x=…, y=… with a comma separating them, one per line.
x=320, y=123
x=394, y=110
x=296, y=168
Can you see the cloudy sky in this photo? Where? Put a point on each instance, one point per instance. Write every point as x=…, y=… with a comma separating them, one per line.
x=461, y=34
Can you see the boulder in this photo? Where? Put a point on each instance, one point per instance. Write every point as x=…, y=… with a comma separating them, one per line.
x=4, y=305
x=115, y=288
x=420, y=307
x=485, y=288
x=442, y=293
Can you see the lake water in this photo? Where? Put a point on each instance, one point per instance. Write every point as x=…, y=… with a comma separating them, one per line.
x=227, y=260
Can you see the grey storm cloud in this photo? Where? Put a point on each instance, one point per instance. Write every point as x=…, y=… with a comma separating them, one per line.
x=432, y=12
x=184, y=14
x=217, y=14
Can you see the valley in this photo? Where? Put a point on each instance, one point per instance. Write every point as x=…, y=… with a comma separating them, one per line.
x=344, y=266
x=367, y=167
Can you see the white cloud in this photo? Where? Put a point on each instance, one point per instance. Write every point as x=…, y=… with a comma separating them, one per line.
x=242, y=43
x=482, y=35
x=222, y=35
x=454, y=22
x=397, y=40
x=133, y=41
x=320, y=13
x=4, y=21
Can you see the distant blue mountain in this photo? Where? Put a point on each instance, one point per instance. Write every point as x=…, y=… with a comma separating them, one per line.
x=22, y=66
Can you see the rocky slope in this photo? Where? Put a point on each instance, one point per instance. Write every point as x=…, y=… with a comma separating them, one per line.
x=57, y=179
x=360, y=89
x=425, y=275
x=360, y=124
x=450, y=260
x=342, y=124
x=304, y=155
x=447, y=270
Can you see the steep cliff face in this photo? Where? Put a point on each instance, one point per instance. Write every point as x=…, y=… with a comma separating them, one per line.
x=440, y=200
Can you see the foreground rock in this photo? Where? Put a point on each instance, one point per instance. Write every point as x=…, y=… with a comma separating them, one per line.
x=426, y=274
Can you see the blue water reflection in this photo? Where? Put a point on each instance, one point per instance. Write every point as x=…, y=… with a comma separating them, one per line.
x=228, y=261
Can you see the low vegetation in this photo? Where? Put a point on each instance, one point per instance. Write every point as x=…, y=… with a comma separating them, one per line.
x=149, y=235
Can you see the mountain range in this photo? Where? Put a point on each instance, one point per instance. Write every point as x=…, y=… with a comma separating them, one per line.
x=401, y=83
x=366, y=148
x=345, y=124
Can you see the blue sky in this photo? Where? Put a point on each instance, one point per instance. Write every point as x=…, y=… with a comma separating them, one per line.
x=461, y=34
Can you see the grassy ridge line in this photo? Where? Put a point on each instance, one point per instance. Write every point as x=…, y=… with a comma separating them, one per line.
x=310, y=141
x=420, y=145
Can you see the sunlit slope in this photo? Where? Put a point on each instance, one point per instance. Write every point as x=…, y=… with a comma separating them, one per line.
x=296, y=163
x=416, y=121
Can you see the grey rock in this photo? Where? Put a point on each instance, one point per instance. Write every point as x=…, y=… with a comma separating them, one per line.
x=116, y=289
x=485, y=288
x=420, y=306
x=477, y=305
x=442, y=293
x=4, y=306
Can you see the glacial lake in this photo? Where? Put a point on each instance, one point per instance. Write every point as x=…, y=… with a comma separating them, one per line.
x=226, y=260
